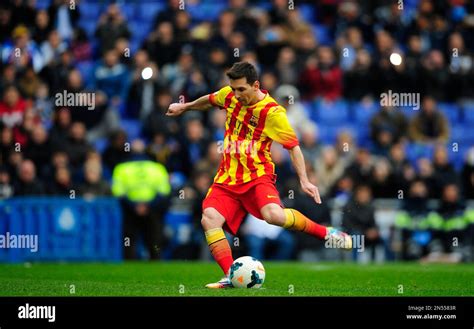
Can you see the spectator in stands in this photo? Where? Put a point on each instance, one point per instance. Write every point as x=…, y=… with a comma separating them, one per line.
x=6, y=22
x=217, y=123
x=8, y=77
x=387, y=127
x=195, y=140
x=28, y=183
x=169, y=13
x=426, y=173
x=162, y=46
x=467, y=176
x=309, y=142
x=38, y=148
x=413, y=239
x=346, y=147
x=12, y=107
x=382, y=182
x=157, y=122
x=434, y=75
x=329, y=169
x=56, y=75
x=211, y=162
x=322, y=77
x=112, y=78
x=6, y=188
x=460, y=69
x=140, y=95
x=217, y=61
x=112, y=26
x=429, y=125
x=62, y=184
x=143, y=187
x=29, y=83
x=42, y=27
x=59, y=159
x=350, y=46
x=286, y=67
x=117, y=150
x=7, y=143
x=94, y=185
x=60, y=130
x=63, y=18
x=158, y=149
x=22, y=44
x=81, y=47
x=43, y=104
x=289, y=97
x=77, y=146
x=451, y=210
x=398, y=163
x=103, y=120
x=444, y=172
x=360, y=170
x=52, y=48
x=359, y=218
x=359, y=79
x=342, y=191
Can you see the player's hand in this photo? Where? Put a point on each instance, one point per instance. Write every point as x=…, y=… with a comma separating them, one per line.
x=311, y=190
x=176, y=109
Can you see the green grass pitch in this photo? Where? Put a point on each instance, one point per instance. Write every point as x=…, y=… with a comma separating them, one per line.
x=189, y=278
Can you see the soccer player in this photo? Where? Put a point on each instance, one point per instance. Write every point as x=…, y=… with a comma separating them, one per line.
x=245, y=180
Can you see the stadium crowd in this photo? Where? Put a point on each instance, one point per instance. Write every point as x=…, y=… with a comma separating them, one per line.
x=327, y=64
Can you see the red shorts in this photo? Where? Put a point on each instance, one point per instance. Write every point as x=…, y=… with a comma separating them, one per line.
x=235, y=201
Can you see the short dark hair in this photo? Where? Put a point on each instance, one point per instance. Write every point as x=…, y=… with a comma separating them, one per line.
x=243, y=70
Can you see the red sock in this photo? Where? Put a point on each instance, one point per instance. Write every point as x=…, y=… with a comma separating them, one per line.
x=299, y=222
x=220, y=248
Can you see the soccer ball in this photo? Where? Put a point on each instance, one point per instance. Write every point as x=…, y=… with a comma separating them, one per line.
x=247, y=272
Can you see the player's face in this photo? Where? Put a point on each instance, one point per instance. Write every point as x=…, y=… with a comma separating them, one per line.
x=245, y=93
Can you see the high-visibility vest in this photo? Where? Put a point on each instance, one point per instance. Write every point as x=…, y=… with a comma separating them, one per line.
x=140, y=181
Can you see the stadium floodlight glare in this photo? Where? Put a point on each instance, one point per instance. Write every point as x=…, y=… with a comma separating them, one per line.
x=395, y=59
x=147, y=73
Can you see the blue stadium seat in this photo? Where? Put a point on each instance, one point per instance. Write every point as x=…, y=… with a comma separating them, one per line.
x=139, y=30
x=148, y=10
x=322, y=34
x=132, y=127
x=328, y=132
x=362, y=113
x=332, y=112
x=306, y=12
x=129, y=10
x=450, y=111
x=90, y=10
x=89, y=26
x=86, y=68
x=415, y=151
x=100, y=144
x=205, y=12
x=468, y=113
x=43, y=4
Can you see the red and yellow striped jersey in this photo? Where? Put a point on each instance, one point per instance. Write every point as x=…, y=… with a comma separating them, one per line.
x=249, y=133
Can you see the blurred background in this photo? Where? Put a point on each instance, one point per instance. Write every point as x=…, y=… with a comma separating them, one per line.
x=115, y=179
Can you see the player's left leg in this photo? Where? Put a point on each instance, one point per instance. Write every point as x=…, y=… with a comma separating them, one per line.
x=292, y=219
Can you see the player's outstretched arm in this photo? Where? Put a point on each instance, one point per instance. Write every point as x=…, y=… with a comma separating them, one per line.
x=202, y=104
x=297, y=159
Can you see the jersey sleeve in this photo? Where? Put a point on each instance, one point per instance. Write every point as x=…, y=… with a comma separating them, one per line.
x=278, y=128
x=218, y=98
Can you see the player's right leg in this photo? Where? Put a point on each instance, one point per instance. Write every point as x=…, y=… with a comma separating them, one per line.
x=212, y=222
